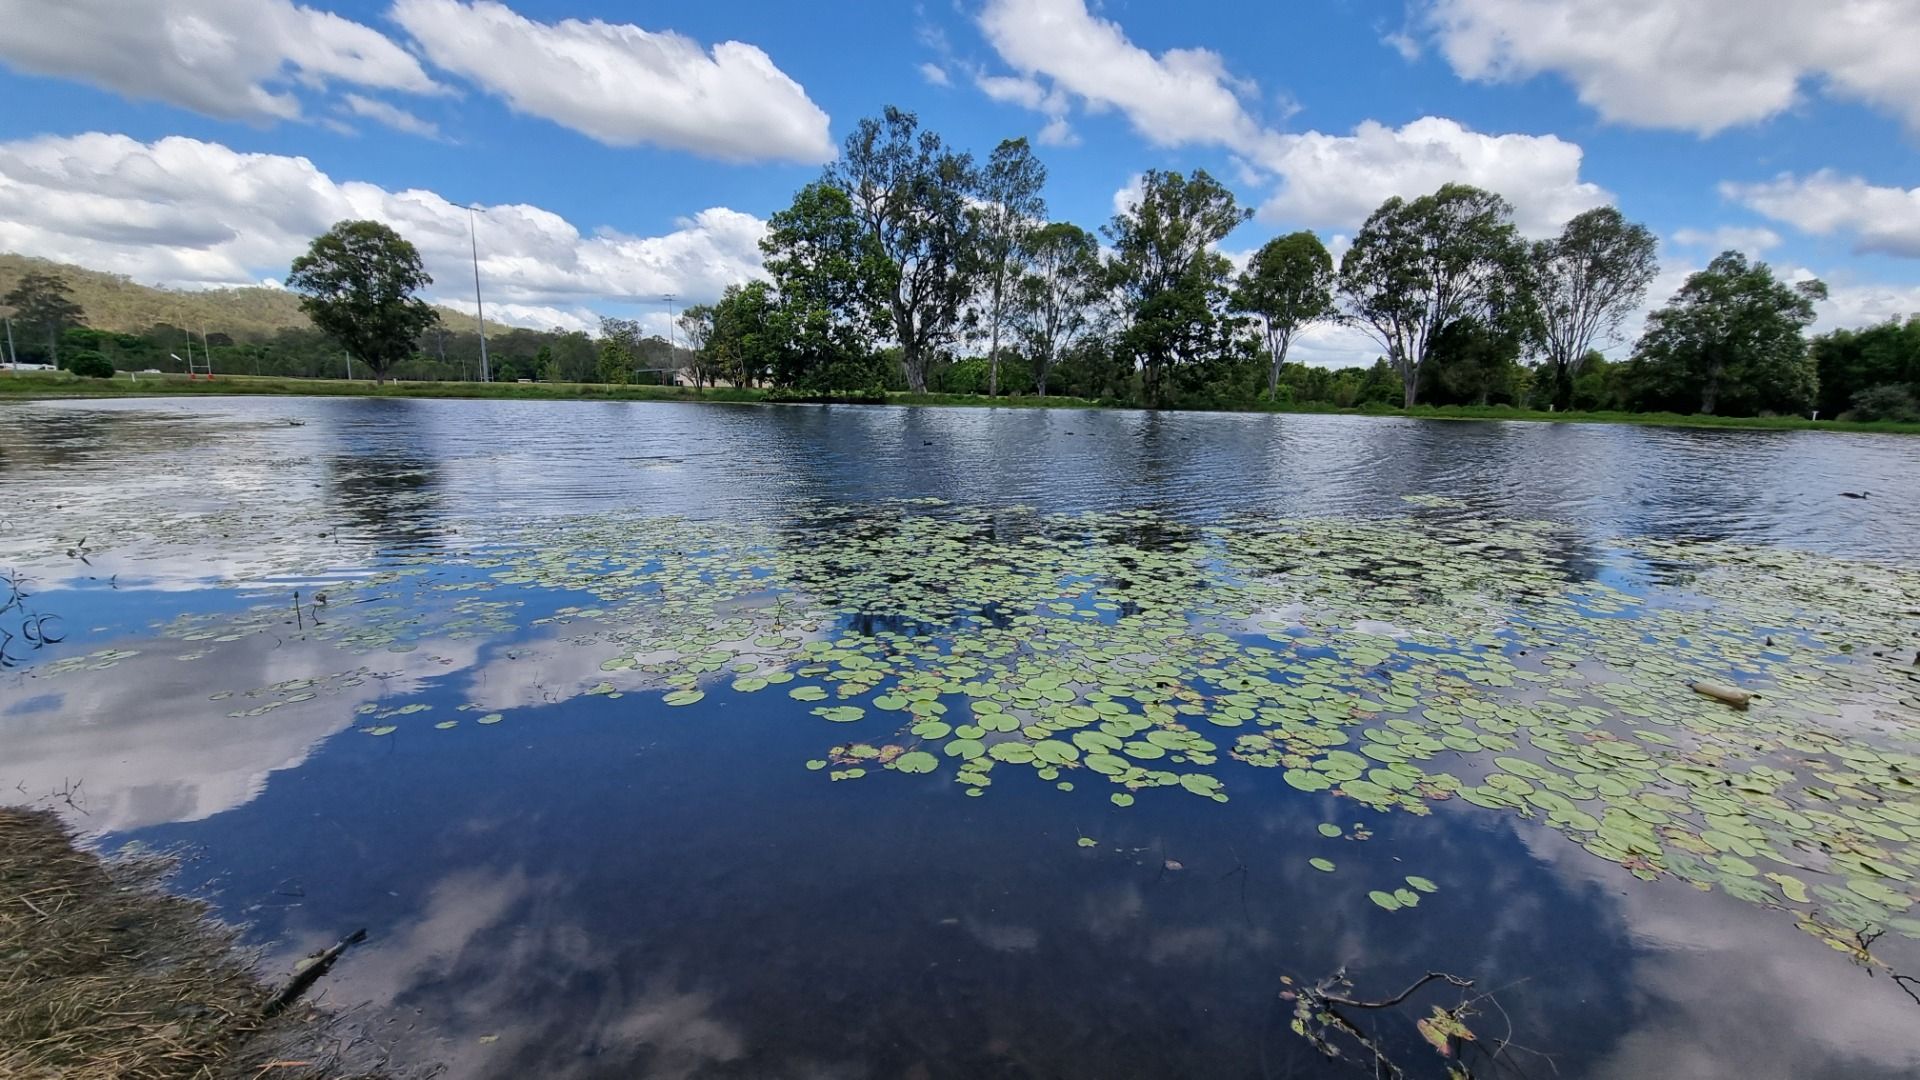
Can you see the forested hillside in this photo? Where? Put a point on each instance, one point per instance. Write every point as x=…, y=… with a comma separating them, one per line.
x=119, y=304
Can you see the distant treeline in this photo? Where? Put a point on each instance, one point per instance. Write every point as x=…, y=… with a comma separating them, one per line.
x=911, y=266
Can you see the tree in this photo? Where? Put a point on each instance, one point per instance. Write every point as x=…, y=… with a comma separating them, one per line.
x=1172, y=282
x=833, y=282
x=745, y=341
x=910, y=194
x=1010, y=208
x=44, y=302
x=696, y=327
x=1417, y=267
x=1289, y=285
x=1731, y=338
x=1054, y=301
x=615, y=362
x=1586, y=281
x=1852, y=361
x=358, y=281
x=545, y=367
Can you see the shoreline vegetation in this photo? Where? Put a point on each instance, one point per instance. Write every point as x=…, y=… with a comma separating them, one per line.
x=56, y=385
x=108, y=975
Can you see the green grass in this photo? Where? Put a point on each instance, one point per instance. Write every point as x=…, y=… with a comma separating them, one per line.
x=63, y=385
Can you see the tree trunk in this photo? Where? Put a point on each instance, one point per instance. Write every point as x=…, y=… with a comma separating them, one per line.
x=1562, y=385
x=1409, y=384
x=993, y=348
x=914, y=367
x=1277, y=346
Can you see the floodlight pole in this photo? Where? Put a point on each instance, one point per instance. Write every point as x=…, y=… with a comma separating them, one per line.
x=479, y=312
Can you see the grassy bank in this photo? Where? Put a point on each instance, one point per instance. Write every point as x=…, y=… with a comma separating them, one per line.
x=62, y=385
x=103, y=974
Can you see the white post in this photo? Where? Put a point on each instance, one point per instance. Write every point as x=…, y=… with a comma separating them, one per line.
x=12, y=356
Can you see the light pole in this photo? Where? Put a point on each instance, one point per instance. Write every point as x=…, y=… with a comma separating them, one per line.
x=479, y=312
x=673, y=361
x=12, y=356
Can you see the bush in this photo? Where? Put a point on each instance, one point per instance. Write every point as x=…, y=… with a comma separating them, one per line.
x=1890, y=402
x=90, y=365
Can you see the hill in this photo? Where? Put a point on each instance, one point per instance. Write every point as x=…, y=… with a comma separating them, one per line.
x=118, y=303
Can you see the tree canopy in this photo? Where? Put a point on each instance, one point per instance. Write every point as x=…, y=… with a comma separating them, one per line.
x=1585, y=282
x=1172, y=282
x=358, y=283
x=1418, y=266
x=1731, y=338
x=1289, y=284
x=44, y=302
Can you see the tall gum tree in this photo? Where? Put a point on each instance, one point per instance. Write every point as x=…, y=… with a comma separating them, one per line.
x=1170, y=280
x=1585, y=283
x=1009, y=210
x=911, y=194
x=1418, y=266
x=1054, y=301
x=1289, y=284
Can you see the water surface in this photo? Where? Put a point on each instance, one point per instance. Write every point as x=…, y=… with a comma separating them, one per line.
x=577, y=878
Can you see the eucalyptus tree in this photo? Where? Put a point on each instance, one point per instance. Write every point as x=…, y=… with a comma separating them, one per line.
x=1055, y=300
x=1289, y=284
x=1172, y=283
x=1418, y=266
x=45, y=302
x=696, y=329
x=832, y=283
x=1586, y=282
x=358, y=283
x=1009, y=208
x=746, y=340
x=911, y=195
x=1732, y=336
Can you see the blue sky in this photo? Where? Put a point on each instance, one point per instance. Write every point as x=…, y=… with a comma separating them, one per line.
x=626, y=150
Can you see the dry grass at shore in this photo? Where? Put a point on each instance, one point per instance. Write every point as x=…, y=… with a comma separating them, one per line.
x=105, y=974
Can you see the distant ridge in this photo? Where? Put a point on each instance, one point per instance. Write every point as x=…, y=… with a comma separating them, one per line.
x=118, y=303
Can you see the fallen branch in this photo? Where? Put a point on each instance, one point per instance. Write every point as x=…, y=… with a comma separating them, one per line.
x=304, y=979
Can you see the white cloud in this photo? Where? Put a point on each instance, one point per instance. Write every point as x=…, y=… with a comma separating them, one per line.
x=543, y=317
x=1329, y=181
x=1851, y=305
x=935, y=75
x=1700, y=65
x=623, y=85
x=234, y=59
x=1061, y=53
x=1881, y=219
x=186, y=212
x=393, y=116
x=1181, y=97
x=1750, y=240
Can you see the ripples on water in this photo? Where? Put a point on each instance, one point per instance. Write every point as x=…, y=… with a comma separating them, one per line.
x=607, y=888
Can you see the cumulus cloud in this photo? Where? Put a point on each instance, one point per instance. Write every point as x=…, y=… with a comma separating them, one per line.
x=1329, y=181
x=1750, y=240
x=1062, y=54
x=1181, y=97
x=1702, y=65
x=1885, y=220
x=234, y=59
x=191, y=213
x=935, y=75
x=623, y=85
x=389, y=114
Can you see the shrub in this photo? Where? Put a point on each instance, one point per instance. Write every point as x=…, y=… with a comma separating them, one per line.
x=91, y=365
x=1889, y=402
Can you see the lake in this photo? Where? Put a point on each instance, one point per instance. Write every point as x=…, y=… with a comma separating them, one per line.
x=674, y=740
